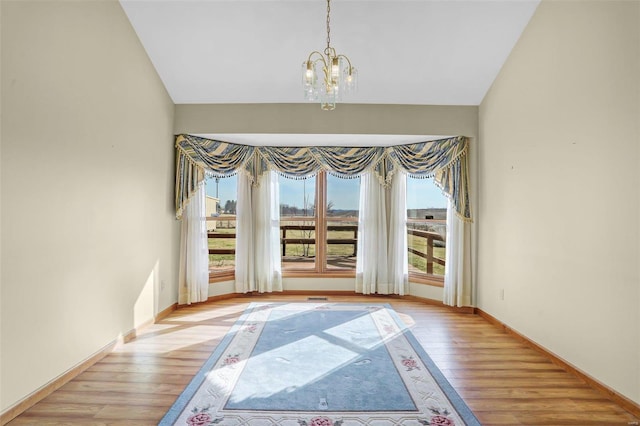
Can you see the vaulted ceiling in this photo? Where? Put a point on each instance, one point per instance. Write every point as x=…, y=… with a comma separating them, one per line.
x=422, y=52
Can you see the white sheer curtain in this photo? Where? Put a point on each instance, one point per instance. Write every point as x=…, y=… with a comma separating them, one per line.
x=397, y=247
x=457, y=275
x=258, y=265
x=266, y=216
x=194, y=253
x=244, y=236
x=371, y=263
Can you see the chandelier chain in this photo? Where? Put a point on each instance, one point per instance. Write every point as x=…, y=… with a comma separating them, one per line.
x=328, y=27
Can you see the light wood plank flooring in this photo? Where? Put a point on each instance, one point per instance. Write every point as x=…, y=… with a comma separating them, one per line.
x=503, y=381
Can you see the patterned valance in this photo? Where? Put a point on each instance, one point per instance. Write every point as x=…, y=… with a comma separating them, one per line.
x=444, y=160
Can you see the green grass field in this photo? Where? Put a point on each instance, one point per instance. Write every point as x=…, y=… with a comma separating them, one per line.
x=420, y=263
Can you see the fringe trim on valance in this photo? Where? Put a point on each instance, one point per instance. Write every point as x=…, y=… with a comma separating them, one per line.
x=342, y=176
x=210, y=174
x=190, y=195
x=440, y=185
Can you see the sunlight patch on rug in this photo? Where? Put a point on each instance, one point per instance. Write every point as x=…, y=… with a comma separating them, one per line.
x=312, y=364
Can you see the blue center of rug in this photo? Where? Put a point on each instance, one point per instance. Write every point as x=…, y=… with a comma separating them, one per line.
x=320, y=360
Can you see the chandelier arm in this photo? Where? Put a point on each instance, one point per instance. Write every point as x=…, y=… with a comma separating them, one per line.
x=348, y=61
x=314, y=52
x=320, y=57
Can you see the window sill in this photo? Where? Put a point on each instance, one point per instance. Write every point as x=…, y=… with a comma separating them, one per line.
x=313, y=274
x=432, y=280
x=228, y=276
x=414, y=278
x=221, y=277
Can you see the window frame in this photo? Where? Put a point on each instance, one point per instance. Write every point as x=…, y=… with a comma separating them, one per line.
x=321, y=233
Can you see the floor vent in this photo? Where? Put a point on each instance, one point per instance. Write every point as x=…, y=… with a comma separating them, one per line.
x=317, y=298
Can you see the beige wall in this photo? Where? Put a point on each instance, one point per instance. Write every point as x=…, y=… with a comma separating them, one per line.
x=89, y=241
x=559, y=173
x=346, y=118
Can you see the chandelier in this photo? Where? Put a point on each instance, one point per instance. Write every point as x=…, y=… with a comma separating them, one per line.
x=339, y=76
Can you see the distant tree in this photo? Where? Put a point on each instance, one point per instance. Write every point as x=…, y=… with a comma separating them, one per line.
x=230, y=207
x=285, y=209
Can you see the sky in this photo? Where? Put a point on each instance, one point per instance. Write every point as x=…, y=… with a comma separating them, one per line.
x=421, y=193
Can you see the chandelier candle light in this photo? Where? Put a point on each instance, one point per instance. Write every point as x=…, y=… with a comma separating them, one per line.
x=339, y=74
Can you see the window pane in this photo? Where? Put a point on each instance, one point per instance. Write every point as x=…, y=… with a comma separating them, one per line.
x=298, y=223
x=343, y=197
x=221, y=223
x=426, y=226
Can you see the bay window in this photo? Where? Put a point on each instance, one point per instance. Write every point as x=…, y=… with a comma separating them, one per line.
x=318, y=228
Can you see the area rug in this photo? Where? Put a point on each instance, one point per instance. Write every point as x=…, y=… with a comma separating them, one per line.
x=319, y=364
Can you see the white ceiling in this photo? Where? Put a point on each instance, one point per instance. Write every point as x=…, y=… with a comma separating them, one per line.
x=445, y=52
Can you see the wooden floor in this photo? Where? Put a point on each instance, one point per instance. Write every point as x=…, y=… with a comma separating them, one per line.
x=503, y=381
